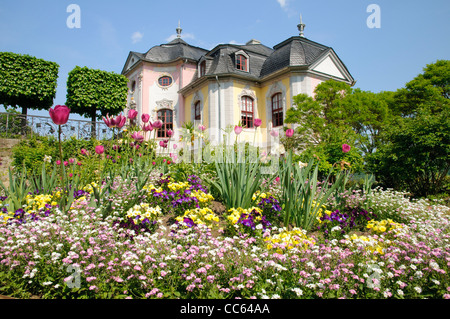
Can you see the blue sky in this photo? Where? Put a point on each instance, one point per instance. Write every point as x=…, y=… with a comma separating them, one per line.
x=412, y=33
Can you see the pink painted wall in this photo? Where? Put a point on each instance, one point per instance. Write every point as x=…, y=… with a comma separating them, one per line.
x=182, y=76
x=314, y=82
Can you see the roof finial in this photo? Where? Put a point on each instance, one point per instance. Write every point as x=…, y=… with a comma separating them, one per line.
x=301, y=27
x=179, y=30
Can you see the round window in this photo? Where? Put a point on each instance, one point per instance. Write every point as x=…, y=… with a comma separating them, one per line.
x=165, y=81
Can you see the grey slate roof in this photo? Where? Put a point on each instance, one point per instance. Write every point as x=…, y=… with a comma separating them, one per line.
x=223, y=59
x=295, y=51
x=172, y=51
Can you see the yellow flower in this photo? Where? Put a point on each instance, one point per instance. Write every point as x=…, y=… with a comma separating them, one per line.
x=383, y=225
x=288, y=240
x=199, y=216
x=144, y=210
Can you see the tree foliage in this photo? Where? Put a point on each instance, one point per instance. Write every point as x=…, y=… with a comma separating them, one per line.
x=95, y=93
x=27, y=81
x=416, y=152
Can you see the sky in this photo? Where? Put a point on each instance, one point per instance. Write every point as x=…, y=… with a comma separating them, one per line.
x=383, y=43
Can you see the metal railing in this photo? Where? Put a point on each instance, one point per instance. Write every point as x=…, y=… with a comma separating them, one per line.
x=18, y=125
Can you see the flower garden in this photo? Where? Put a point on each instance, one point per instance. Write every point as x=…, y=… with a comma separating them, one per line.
x=117, y=221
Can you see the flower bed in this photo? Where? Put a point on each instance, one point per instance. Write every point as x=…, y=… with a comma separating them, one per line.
x=81, y=254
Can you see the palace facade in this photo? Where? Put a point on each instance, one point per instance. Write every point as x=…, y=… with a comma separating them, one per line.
x=177, y=82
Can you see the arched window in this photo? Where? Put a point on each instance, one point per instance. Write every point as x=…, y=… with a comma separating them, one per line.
x=277, y=110
x=247, y=111
x=197, y=111
x=241, y=62
x=166, y=117
x=133, y=86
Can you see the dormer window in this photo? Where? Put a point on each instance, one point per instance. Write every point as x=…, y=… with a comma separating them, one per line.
x=202, y=68
x=241, y=62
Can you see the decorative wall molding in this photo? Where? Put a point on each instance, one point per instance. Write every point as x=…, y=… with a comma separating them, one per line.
x=248, y=92
x=164, y=104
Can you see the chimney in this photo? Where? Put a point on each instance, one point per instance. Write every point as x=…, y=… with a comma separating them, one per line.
x=253, y=41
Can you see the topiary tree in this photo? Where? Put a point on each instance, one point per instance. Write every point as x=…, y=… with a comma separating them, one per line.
x=95, y=93
x=27, y=81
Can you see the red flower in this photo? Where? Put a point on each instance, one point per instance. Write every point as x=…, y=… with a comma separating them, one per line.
x=60, y=114
x=147, y=127
x=132, y=114
x=137, y=137
x=157, y=124
x=99, y=149
x=289, y=132
x=163, y=143
x=145, y=117
x=118, y=121
x=345, y=148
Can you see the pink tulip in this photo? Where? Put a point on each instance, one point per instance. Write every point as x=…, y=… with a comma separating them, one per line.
x=66, y=163
x=58, y=162
x=71, y=160
x=145, y=117
x=147, y=127
x=163, y=143
x=118, y=121
x=157, y=124
x=99, y=149
x=137, y=137
x=289, y=132
x=84, y=152
x=345, y=148
x=277, y=179
x=257, y=122
x=169, y=133
x=237, y=129
x=60, y=114
x=201, y=127
x=175, y=146
x=132, y=114
x=274, y=133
